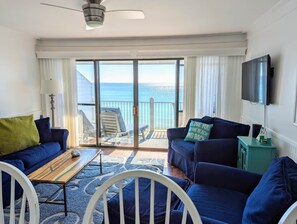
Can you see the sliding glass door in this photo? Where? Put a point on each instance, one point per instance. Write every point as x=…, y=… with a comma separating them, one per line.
x=157, y=94
x=87, y=131
x=116, y=103
x=128, y=103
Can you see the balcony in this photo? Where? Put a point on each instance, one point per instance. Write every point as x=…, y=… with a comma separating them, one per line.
x=157, y=116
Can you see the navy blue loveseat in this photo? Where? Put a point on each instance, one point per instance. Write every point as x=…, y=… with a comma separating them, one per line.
x=53, y=142
x=220, y=148
x=221, y=194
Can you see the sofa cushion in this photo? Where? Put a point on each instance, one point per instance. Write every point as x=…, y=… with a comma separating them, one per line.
x=144, y=197
x=17, y=133
x=44, y=129
x=186, y=149
x=35, y=154
x=17, y=163
x=228, y=129
x=217, y=203
x=271, y=197
x=198, y=131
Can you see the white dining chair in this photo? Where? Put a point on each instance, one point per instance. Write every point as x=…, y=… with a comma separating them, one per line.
x=29, y=196
x=290, y=216
x=189, y=206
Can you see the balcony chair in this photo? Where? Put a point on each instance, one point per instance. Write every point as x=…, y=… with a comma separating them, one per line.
x=153, y=204
x=113, y=124
x=18, y=180
x=220, y=148
x=87, y=129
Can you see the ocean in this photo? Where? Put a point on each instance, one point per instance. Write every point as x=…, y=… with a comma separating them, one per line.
x=124, y=92
x=120, y=95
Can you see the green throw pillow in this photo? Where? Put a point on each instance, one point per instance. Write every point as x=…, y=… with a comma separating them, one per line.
x=17, y=133
x=198, y=131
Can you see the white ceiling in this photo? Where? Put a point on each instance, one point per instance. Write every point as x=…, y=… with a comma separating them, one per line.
x=162, y=17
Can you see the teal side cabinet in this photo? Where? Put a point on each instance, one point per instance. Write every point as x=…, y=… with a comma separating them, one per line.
x=253, y=156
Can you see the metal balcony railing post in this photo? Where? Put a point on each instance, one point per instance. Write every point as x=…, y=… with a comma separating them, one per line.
x=152, y=115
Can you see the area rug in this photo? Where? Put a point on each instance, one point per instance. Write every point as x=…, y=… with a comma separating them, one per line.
x=83, y=186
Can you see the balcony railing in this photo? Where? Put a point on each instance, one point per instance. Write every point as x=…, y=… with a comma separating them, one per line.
x=158, y=115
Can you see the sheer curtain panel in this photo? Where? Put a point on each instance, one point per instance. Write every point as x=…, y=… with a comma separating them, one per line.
x=189, y=89
x=62, y=70
x=213, y=87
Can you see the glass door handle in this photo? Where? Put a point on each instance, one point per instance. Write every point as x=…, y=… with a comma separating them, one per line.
x=135, y=111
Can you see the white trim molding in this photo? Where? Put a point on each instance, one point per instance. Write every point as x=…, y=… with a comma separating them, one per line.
x=278, y=12
x=284, y=145
x=148, y=47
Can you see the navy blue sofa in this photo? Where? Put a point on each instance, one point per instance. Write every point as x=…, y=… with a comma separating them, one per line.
x=222, y=194
x=220, y=148
x=53, y=142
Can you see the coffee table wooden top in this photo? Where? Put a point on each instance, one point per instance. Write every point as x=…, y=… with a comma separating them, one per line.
x=63, y=168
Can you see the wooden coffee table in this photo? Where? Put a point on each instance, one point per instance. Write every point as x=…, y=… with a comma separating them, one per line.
x=62, y=169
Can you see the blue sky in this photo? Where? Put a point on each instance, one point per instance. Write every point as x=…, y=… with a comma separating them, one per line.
x=123, y=73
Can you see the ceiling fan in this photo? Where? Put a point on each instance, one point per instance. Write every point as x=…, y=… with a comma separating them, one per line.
x=94, y=12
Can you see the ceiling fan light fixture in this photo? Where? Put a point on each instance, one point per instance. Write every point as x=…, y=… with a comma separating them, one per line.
x=94, y=24
x=94, y=14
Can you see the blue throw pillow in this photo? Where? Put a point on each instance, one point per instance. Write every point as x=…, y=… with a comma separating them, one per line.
x=272, y=196
x=44, y=129
x=198, y=131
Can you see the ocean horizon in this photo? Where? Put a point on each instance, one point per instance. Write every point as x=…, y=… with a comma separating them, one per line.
x=161, y=92
x=120, y=95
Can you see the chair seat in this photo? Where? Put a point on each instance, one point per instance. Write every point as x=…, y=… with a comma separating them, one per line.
x=217, y=203
x=130, y=128
x=144, y=193
x=184, y=148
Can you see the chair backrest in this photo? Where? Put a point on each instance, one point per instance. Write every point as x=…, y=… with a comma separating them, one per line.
x=112, y=121
x=87, y=125
x=29, y=195
x=290, y=216
x=154, y=177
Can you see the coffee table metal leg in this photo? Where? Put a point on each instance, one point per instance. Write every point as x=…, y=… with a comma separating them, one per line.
x=65, y=199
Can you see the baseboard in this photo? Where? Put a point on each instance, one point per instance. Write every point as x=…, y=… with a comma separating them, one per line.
x=285, y=146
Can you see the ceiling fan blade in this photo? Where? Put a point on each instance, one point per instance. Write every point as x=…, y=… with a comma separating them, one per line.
x=61, y=7
x=126, y=14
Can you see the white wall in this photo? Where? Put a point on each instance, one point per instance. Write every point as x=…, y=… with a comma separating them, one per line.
x=276, y=34
x=19, y=77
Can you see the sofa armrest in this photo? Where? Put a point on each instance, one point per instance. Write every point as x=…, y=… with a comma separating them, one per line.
x=220, y=151
x=60, y=135
x=226, y=177
x=173, y=133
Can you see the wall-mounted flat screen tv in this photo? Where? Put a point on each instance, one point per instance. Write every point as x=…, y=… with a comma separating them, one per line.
x=256, y=80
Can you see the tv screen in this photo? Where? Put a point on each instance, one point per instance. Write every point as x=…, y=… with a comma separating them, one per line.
x=256, y=75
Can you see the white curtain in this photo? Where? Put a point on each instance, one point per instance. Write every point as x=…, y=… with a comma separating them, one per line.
x=230, y=82
x=62, y=70
x=189, y=89
x=213, y=87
